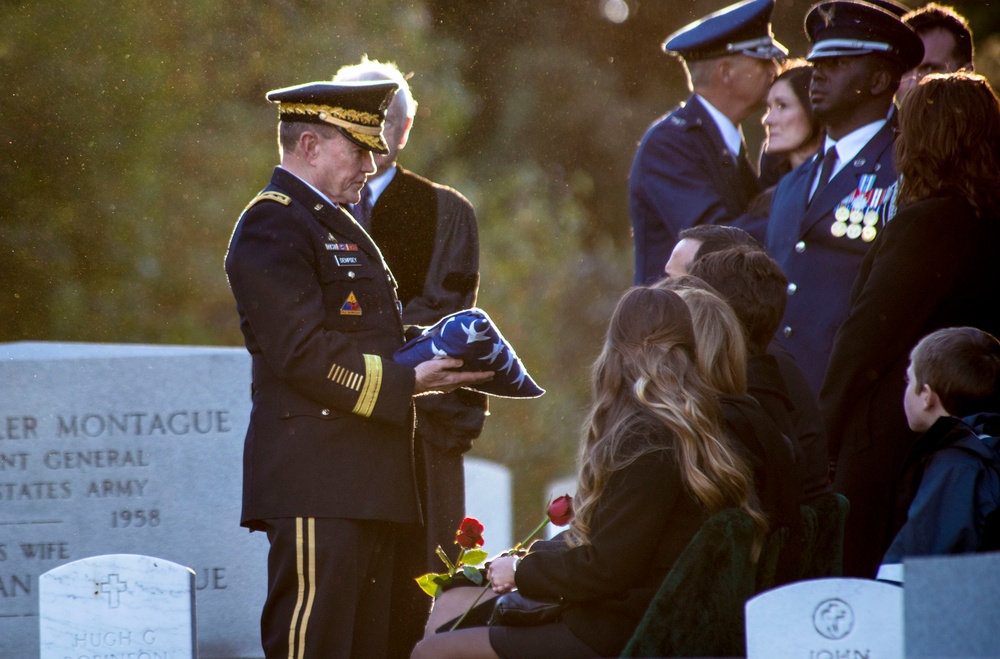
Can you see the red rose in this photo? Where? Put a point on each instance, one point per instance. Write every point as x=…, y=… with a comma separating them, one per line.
x=470, y=534
x=561, y=510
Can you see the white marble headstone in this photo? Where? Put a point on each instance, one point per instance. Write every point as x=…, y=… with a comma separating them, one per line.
x=128, y=449
x=488, y=499
x=117, y=605
x=953, y=606
x=891, y=572
x=826, y=619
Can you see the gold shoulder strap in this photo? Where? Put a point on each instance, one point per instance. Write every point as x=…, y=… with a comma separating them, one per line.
x=282, y=199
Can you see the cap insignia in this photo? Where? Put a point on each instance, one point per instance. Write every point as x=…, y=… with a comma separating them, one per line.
x=828, y=15
x=358, y=120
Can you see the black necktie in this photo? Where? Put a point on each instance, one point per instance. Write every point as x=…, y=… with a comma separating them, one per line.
x=363, y=209
x=748, y=177
x=829, y=160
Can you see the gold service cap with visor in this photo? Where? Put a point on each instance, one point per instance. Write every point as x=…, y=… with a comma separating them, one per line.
x=356, y=109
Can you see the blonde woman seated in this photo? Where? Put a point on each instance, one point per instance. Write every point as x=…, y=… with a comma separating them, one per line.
x=722, y=360
x=654, y=465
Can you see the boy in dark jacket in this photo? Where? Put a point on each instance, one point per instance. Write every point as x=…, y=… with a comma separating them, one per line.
x=950, y=484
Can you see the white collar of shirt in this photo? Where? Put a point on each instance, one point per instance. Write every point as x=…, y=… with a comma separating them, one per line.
x=314, y=188
x=380, y=182
x=850, y=145
x=730, y=133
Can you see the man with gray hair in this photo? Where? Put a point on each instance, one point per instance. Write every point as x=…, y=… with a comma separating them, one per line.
x=691, y=167
x=429, y=237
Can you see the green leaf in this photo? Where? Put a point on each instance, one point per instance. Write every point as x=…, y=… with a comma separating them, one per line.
x=444, y=558
x=474, y=557
x=473, y=574
x=431, y=583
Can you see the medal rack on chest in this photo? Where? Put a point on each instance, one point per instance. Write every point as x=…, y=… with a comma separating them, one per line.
x=859, y=214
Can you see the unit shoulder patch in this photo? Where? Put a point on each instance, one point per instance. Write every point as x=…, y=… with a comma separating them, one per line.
x=282, y=199
x=350, y=306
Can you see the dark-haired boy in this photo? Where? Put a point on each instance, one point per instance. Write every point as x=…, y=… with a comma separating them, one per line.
x=754, y=286
x=950, y=483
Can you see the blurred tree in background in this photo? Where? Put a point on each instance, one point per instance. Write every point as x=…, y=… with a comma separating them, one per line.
x=134, y=133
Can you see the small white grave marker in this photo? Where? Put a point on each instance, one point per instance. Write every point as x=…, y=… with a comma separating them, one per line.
x=117, y=605
x=488, y=499
x=826, y=619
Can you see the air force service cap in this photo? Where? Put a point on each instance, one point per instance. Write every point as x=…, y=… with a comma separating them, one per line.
x=743, y=28
x=891, y=6
x=356, y=109
x=845, y=28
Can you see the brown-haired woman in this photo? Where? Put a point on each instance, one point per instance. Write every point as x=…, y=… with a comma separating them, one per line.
x=654, y=464
x=793, y=133
x=932, y=266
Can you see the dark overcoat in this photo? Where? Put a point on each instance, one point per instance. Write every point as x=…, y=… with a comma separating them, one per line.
x=933, y=267
x=429, y=237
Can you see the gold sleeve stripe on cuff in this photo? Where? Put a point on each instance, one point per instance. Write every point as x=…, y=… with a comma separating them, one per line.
x=342, y=376
x=370, y=387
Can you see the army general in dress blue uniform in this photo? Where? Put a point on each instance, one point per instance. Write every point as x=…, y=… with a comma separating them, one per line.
x=328, y=459
x=691, y=167
x=826, y=213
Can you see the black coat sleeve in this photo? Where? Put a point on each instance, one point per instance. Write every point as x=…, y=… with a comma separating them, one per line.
x=637, y=503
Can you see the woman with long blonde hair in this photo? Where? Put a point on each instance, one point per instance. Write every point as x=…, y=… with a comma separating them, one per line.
x=722, y=346
x=654, y=465
x=722, y=361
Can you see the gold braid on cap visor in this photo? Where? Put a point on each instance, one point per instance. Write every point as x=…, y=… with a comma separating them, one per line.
x=369, y=130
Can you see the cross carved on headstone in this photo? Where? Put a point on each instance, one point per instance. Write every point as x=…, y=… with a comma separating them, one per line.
x=113, y=587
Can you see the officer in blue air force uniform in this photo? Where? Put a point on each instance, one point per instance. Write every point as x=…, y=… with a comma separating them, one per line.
x=328, y=458
x=691, y=166
x=826, y=213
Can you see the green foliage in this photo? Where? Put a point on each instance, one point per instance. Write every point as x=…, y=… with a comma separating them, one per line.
x=475, y=575
x=432, y=584
x=465, y=566
x=134, y=134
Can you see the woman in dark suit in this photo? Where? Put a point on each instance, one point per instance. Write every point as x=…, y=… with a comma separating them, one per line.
x=654, y=464
x=933, y=266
